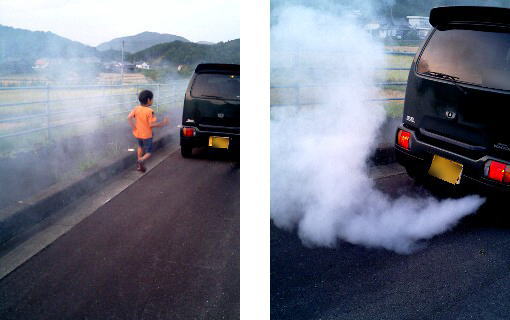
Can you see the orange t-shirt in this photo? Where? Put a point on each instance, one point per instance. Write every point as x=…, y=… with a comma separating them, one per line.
x=144, y=116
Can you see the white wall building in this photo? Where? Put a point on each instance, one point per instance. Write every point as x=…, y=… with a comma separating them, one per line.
x=144, y=66
x=420, y=24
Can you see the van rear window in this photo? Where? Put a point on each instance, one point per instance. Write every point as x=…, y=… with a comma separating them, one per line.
x=217, y=85
x=473, y=56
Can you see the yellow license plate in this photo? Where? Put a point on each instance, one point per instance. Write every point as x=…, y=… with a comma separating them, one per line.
x=446, y=170
x=219, y=142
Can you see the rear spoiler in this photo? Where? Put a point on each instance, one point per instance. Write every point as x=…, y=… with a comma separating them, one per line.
x=469, y=15
x=218, y=67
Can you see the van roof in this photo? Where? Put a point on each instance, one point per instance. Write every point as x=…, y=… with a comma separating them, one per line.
x=469, y=15
x=217, y=67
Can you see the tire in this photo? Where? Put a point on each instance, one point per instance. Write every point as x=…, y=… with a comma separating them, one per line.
x=186, y=151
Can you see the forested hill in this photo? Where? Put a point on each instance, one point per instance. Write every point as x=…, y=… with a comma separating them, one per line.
x=20, y=44
x=140, y=41
x=188, y=53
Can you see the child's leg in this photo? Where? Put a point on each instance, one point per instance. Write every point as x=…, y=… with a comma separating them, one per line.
x=139, y=152
x=147, y=145
x=146, y=156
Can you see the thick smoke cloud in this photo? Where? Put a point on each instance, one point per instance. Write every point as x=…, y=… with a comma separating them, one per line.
x=319, y=182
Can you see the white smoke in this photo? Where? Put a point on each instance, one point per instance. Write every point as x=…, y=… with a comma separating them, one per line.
x=319, y=153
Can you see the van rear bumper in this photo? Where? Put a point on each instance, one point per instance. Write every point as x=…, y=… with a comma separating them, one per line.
x=201, y=138
x=420, y=155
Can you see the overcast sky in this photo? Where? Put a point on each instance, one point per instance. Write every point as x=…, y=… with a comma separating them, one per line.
x=96, y=21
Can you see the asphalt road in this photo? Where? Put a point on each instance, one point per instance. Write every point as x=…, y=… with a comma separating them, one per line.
x=462, y=274
x=167, y=247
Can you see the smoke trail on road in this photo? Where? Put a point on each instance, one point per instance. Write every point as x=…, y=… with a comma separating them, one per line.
x=319, y=181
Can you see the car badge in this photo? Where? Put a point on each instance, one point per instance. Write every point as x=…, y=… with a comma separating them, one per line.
x=502, y=146
x=450, y=115
x=221, y=115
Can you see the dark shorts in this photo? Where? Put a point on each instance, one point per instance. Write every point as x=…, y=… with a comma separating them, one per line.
x=145, y=144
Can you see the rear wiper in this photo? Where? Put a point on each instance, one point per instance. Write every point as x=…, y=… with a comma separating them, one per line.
x=446, y=77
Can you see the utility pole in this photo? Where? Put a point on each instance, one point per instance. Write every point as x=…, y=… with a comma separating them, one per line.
x=122, y=65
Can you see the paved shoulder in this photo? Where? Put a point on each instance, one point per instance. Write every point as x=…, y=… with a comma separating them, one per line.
x=167, y=247
x=461, y=274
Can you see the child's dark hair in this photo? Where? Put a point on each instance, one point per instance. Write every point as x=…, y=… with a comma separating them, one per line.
x=145, y=96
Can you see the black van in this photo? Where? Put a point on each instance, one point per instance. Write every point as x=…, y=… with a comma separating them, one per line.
x=455, y=118
x=210, y=116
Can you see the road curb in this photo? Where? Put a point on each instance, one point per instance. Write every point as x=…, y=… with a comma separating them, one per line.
x=20, y=217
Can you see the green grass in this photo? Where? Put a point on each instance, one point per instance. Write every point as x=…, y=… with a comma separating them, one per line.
x=391, y=75
x=392, y=42
x=44, y=138
x=394, y=109
x=88, y=164
x=396, y=61
x=92, y=159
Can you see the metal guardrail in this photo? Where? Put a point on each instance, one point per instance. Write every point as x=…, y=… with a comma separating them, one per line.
x=164, y=94
x=297, y=87
x=398, y=53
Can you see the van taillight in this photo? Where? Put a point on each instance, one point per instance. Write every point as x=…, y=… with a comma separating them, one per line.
x=497, y=171
x=188, y=132
x=403, y=139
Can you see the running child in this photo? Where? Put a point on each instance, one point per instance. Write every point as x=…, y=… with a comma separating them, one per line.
x=142, y=120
